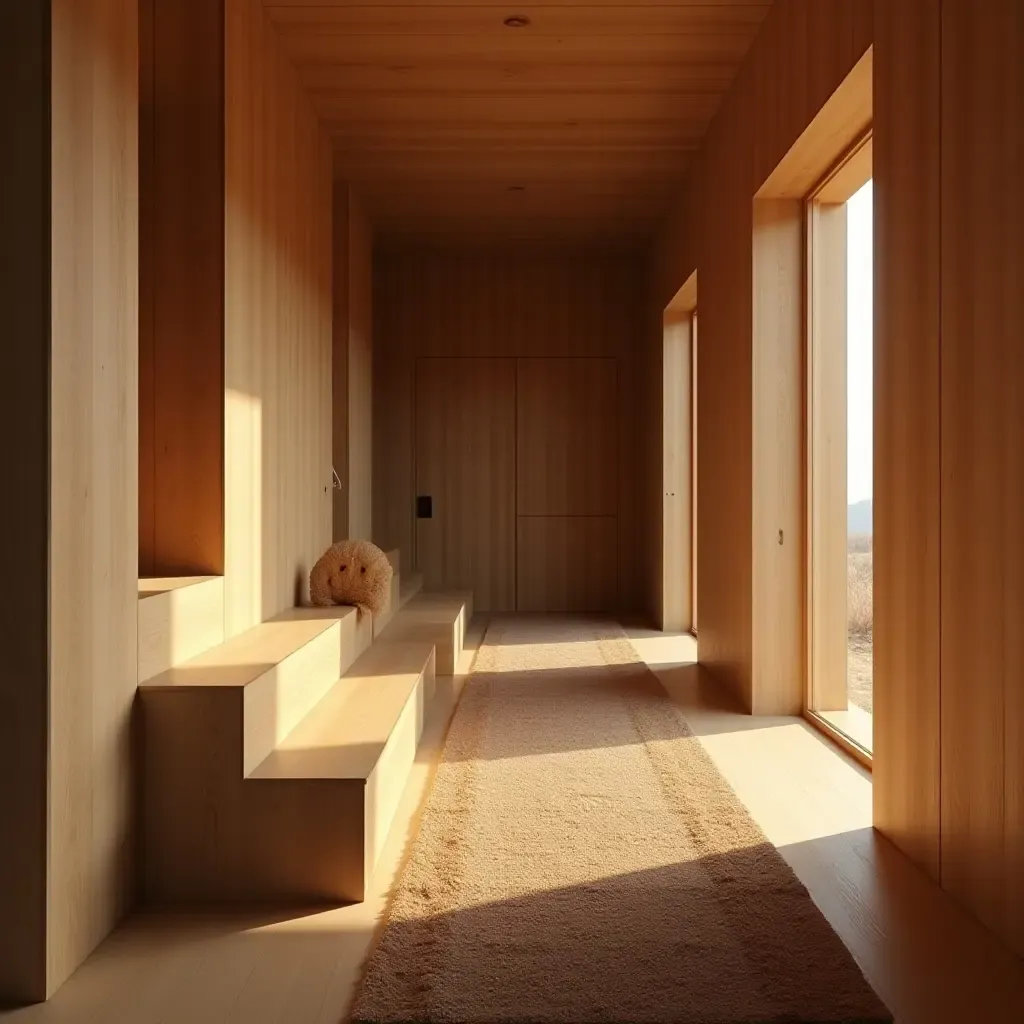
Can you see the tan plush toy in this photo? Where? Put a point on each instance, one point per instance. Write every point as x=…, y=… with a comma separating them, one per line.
x=352, y=572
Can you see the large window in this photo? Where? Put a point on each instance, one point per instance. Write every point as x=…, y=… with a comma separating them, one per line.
x=840, y=472
x=693, y=473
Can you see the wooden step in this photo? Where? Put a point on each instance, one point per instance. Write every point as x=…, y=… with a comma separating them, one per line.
x=307, y=822
x=351, y=757
x=403, y=590
x=273, y=761
x=269, y=676
x=179, y=618
x=437, y=618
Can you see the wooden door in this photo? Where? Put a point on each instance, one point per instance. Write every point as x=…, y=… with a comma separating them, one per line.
x=465, y=463
x=567, y=489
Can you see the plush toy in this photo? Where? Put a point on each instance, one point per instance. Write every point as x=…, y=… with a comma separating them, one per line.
x=352, y=572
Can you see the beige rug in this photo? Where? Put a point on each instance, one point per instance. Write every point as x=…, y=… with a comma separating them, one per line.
x=581, y=859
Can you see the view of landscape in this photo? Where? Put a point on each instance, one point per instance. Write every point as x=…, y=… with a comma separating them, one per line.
x=858, y=604
x=860, y=386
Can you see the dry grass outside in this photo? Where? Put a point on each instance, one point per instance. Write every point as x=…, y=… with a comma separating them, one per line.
x=858, y=595
x=859, y=620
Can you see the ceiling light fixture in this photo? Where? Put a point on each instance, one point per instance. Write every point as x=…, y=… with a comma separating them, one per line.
x=516, y=21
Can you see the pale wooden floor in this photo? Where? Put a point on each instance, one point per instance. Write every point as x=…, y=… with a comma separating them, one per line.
x=931, y=963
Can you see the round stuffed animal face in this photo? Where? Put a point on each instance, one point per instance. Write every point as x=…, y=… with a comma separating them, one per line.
x=352, y=572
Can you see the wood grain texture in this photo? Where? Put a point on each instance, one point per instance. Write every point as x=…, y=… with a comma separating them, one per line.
x=982, y=480
x=465, y=460
x=93, y=474
x=504, y=303
x=277, y=326
x=181, y=383
x=360, y=372
x=147, y=303
x=778, y=538
x=566, y=437
x=591, y=113
x=844, y=116
x=339, y=358
x=352, y=363
x=802, y=54
x=179, y=618
x=906, y=428
x=827, y=456
x=25, y=421
x=567, y=564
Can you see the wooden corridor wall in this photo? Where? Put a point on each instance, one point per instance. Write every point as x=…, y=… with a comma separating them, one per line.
x=949, y=381
x=238, y=292
x=567, y=322
x=236, y=323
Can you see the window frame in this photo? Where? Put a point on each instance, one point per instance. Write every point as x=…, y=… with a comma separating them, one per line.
x=824, y=232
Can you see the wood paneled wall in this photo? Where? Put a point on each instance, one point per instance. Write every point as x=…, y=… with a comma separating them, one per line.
x=981, y=498
x=906, y=137
x=93, y=473
x=949, y=383
x=352, y=400
x=235, y=342
x=803, y=52
x=778, y=510
x=69, y=283
x=71, y=286
x=181, y=276
x=25, y=421
x=277, y=326
x=570, y=319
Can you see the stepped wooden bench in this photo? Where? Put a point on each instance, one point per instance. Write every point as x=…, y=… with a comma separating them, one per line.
x=179, y=617
x=273, y=763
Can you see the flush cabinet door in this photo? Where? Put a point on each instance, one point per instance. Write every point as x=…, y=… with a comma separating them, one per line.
x=465, y=478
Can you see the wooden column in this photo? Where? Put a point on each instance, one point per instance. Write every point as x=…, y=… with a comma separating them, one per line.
x=906, y=429
x=25, y=426
x=352, y=367
x=68, y=279
x=777, y=474
x=982, y=461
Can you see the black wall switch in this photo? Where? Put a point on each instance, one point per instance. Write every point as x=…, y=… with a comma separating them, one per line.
x=424, y=507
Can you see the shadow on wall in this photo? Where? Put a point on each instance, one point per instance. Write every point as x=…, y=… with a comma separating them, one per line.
x=278, y=308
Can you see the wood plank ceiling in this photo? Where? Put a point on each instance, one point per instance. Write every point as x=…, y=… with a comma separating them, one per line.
x=576, y=126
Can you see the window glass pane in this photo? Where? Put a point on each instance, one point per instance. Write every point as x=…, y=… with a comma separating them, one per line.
x=860, y=475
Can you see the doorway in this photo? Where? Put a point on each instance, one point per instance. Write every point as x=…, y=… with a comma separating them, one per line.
x=516, y=481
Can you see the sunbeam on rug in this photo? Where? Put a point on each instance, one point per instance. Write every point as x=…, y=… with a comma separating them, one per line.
x=581, y=859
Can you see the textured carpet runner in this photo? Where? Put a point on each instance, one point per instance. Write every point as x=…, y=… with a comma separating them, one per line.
x=581, y=859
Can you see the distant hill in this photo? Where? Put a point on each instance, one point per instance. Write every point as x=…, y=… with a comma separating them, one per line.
x=859, y=517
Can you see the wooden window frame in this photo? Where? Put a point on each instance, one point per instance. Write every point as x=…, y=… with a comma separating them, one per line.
x=826, y=442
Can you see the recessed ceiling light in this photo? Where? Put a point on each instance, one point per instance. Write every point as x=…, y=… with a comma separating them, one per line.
x=517, y=21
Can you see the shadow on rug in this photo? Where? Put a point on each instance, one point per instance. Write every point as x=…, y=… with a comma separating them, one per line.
x=581, y=859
